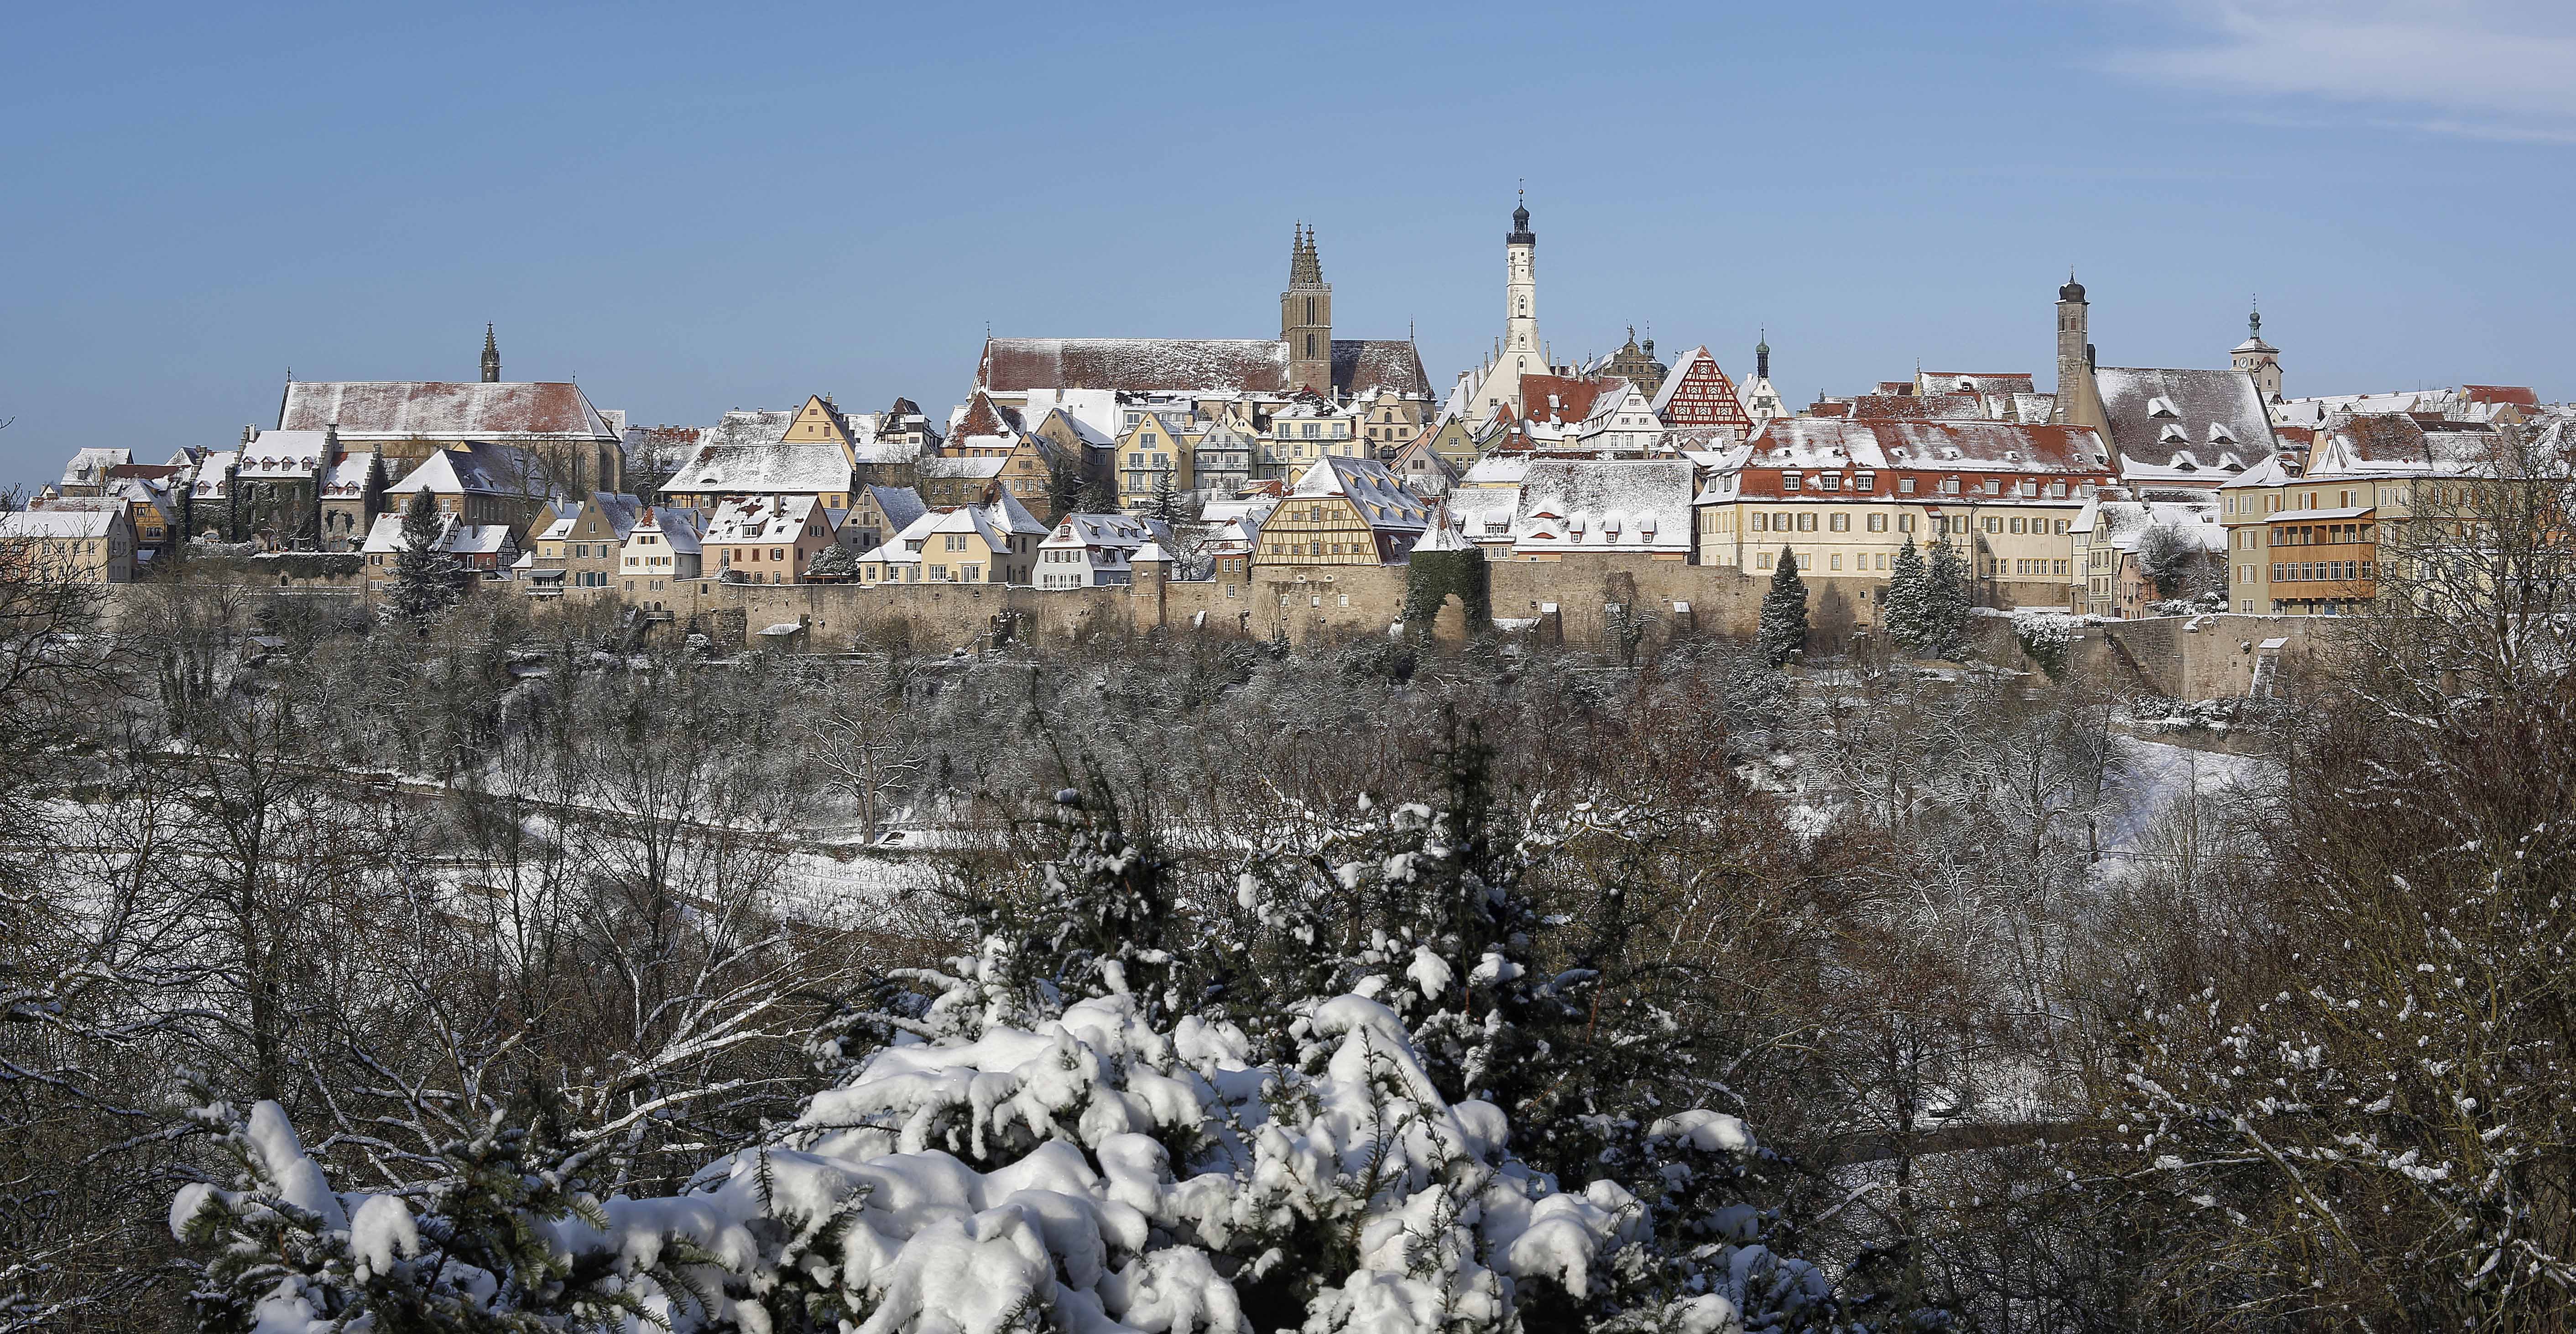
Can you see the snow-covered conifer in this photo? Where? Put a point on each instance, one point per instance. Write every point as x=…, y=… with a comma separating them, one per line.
x=1908, y=587
x=1783, y=633
x=1946, y=601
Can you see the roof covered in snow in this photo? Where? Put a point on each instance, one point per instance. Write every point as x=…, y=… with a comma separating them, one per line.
x=89, y=467
x=679, y=529
x=477, y=467
x=444, y=410
x=1381, y=499
x=773, y=468
x=463, y=539
x=901, y=504
x=59, y=523
x=758, y=519
x=1577, y=505
x=2171, y=425
x=1831, y=443
x=285, y=454
x=1223, y=365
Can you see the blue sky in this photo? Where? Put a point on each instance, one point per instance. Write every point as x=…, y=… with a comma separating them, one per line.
x=691, y=207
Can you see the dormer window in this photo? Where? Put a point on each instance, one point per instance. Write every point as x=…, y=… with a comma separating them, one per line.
x=2161, y=407
x=1788, y=481
x=1867, y=481
x=2172, y=435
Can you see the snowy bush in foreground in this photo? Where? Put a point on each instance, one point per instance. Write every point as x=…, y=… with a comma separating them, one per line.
x=1091, y=1174
x=1052, y=1135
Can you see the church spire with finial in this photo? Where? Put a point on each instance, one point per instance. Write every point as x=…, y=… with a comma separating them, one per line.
x=491, y=357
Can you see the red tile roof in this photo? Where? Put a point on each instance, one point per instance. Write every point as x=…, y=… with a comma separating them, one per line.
x=2500, y=393
x=1560, y=398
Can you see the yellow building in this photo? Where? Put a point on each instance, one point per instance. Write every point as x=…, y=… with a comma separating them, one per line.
x=1299, y=434
x=1159, y=449
x=87, y=545
x=1845, y=495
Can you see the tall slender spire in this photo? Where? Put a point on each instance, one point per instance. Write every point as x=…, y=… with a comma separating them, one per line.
x=2254, y=317
x=491, y=357
x=1305, y=267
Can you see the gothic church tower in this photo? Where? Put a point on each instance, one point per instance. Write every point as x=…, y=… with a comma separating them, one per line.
x=1306, y=318
x=491, y=357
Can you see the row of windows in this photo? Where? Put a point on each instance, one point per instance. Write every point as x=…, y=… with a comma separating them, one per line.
x=2321, y=534
x=1783, y=521
x=2300, y=571
x=1318, y=549
x=1950, y=486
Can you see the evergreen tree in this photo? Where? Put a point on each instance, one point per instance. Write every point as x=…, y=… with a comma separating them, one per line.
x=1784, y=612
x=1097, y=497
x=1165, y=504
x=1907, y=587
x=1945, y=603
x=426, y=579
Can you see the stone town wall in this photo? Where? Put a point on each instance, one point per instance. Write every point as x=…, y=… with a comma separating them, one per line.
x=2192, y=657
x=1569, y=602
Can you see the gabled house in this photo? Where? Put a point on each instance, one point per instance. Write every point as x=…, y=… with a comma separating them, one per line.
x=487, y=549
x=90, y=544
x=583, y=543
x=1094, y=550
x=1344, y=511
x=662, y=549
x=749, y=454
x=877, y=513
x=480, y=484
x=1154, y=453
x=1221, y=459
x=1698, y=393
x=967, y=544
x=1421, y=469
x=766, y=539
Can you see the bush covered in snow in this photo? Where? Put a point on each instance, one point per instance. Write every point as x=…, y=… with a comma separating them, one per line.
x=2045, y=636
x=1096, y=1122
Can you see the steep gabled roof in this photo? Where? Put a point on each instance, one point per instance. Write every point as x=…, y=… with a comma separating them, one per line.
x=1698, y=393
x=1379, y=365
x=477, y=467
x=901, y=504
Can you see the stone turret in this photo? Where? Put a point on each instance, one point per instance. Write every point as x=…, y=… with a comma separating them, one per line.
x=2078, y=402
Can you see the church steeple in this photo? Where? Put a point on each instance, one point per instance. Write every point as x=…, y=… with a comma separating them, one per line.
x=1306, y=316
x=491, y=357
x=2258, y=358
